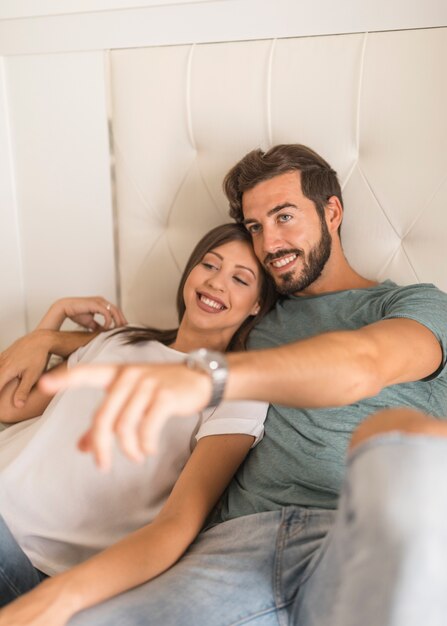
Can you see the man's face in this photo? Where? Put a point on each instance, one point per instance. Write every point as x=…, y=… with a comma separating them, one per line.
x=289, y=238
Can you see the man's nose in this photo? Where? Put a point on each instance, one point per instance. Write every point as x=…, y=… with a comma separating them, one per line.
x=271, y=241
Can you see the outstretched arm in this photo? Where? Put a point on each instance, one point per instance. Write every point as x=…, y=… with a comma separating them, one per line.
x=336, y=368
x=145, y=553
x=332, y=369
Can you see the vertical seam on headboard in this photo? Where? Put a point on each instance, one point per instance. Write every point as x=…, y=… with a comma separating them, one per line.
x=356, y=162
x=188, y=97
x=190, y=128
x=269, y=93
x=17, y=220
x=112, y=165
x=359, y=94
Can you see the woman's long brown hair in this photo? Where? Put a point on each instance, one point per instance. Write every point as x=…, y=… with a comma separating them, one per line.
x=216, y=237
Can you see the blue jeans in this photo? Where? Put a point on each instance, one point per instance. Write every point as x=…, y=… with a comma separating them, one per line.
x=17, y=573
x=381, y=560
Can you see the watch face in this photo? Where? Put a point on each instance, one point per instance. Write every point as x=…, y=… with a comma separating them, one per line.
x=207, y=359
x=215, y=365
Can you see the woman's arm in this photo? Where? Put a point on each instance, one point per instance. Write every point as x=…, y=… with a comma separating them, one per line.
x=27, y=358
x=145, y=553
x=82, y=311
x=35, y=405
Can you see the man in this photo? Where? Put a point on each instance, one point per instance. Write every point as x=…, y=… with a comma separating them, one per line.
x=282, y=554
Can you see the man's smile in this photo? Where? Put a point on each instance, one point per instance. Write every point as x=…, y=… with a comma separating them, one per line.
x=282, y=260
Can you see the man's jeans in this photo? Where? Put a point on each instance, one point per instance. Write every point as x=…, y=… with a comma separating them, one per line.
x=17, y=574
x=379, y=561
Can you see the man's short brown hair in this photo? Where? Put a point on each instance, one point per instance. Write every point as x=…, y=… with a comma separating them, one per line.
x=318, y=180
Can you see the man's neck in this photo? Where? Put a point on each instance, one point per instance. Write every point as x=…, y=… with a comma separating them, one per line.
x=337, y=275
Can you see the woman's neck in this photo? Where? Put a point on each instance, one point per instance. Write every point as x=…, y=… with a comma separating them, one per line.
x=190, y=339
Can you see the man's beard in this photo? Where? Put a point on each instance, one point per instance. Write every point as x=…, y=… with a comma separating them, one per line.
x=287, y=284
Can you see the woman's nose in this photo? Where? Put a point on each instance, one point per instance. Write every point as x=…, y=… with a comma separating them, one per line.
x=216, y=281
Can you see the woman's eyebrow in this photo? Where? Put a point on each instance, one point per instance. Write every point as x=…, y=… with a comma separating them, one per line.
x=243, y=267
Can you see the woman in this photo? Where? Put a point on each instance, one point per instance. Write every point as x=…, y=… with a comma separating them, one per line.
x=223, y=292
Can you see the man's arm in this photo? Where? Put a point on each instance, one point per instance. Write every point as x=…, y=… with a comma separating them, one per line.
x=35, y=405
x=27, y=358
x=336, y=368
x=333, y=369
x=22, y=364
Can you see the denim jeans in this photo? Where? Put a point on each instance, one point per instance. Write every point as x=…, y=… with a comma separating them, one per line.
x=380, y=560
x=17, y=573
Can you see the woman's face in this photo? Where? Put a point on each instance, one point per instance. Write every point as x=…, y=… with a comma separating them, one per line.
x=223, y=289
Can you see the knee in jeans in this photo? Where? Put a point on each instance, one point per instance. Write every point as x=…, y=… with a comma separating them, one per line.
x=401, y=419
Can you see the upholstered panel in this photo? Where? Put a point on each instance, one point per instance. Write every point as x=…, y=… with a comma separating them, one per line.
x=373, y=104
x=60, y=175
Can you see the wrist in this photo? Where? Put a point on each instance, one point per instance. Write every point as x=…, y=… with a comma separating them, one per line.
x=54, y=317
x=243, y=373
x=214, y=365
x=59, y=596
x=73, y=591
x=45, y=337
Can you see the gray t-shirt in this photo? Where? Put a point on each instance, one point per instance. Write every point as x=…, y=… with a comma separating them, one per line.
x=301, y=459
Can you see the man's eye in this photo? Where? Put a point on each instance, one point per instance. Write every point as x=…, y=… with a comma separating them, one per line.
x=284, y=217
x=253, y=228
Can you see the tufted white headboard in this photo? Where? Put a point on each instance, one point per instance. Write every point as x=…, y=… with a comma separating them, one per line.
x=113, y=144
x=374, y=105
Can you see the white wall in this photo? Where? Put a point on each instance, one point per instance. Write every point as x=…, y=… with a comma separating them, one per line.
x=12, y=295
x=53, y=26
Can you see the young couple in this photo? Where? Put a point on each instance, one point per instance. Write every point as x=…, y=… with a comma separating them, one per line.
x=277, y=551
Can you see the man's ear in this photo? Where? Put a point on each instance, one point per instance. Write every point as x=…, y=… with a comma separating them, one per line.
x=334, y=213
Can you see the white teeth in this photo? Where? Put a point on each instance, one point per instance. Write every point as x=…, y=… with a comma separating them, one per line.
x=211, y=303
x=284, y=261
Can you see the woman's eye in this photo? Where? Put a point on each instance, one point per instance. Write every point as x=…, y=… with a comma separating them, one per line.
x=240, y=280
x=208, y=266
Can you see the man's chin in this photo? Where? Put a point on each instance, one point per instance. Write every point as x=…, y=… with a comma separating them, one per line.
x=287, y=284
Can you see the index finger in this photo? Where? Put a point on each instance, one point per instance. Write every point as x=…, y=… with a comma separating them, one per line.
x=117, y=315
x=120, y=391
x=110, y=312
x=80, y=376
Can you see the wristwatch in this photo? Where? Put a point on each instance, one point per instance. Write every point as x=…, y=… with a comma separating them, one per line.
x=215, y=365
